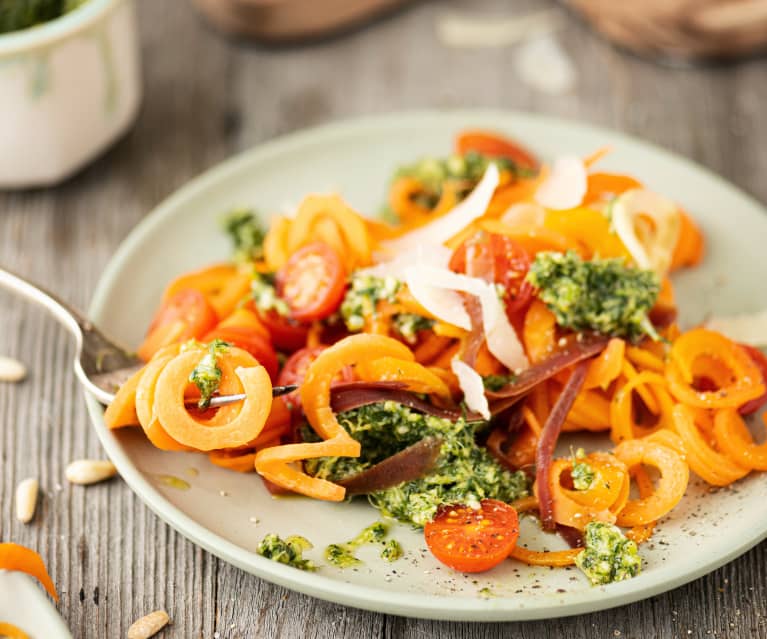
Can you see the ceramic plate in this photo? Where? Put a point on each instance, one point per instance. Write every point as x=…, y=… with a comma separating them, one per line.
x=228, y=513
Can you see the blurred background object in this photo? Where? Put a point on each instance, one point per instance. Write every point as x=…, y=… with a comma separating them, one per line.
x=69, y=85
x=291, y=20
x=680, y=29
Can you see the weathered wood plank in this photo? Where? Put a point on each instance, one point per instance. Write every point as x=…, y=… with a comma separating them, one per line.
x=206, y=98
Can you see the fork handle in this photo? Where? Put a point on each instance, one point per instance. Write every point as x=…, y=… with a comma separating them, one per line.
x=65, y=314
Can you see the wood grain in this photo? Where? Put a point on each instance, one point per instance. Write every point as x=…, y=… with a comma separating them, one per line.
x=206, y=98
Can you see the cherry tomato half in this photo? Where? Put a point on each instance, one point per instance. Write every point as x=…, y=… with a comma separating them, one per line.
x=760, y=359
x=472, y=540
x=497, y=259
x=185, y=315
x=248, y=339
x=496, y=146
x=294, y=371
x=312, y=282
x=287, y=334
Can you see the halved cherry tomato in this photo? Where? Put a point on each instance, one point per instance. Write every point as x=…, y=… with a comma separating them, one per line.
x=496, y=146
x=499, y=260
x=312, y=282
x=760, y=359
x=472, y=540
x=248, y=339
x=183, y=316
x=287, y=334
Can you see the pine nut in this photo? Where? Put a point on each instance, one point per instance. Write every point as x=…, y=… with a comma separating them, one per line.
x=11, y=370
x=148, y=626
x=89, y=471
x=26, y=500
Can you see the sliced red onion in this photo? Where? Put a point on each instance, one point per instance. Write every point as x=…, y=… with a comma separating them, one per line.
x=411, y=463
x=351, y=395
x=548, y=441
x=572, y=536
x=577, y=351
x=477, y=334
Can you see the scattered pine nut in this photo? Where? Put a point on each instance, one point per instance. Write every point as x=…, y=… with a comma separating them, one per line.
x=90, y=471
x=11, y=370
x=148, y=626
x=26, y=499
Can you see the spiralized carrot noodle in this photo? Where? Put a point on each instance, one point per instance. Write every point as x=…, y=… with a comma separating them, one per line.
x=746, y=379
x=224, y=430
x=641, y=388
x=590, y=411
x=643, y=532
x=554, y=558
x=607, y=366
x=418, y=378
x=714, y=467
x=525, y=504
x=9, y=631
x=645, y=359
x=224, y=286
x=622, y=420
x=735, y=440
x=276, y=252
x=238, y=460
x=606, y=495
x=674, y=477
x=122, y=411
x=21, y=559
x=539, y=332
x=275, y=463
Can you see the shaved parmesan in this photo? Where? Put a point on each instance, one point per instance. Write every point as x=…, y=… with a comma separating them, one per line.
x=453, y=222
x=435, y=289
x=565, y=186
x=651, y=247
x=472, y=386
x=747, y=328
x=424, y=255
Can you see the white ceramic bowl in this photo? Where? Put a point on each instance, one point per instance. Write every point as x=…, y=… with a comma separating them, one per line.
x=68, y=89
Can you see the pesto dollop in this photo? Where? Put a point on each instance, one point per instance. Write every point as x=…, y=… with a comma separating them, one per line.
x=207, y=374
x=608, y=555
x=581, y=473
x=602, y=295
x=287, y=551
x=464, y=471
x=342, y=555
x=22, y=14
x=265, y=295
x=246, y=233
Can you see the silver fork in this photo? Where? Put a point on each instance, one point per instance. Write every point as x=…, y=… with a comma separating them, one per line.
x=101, y=365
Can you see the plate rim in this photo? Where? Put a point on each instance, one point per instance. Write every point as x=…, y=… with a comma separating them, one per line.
x=438, y=607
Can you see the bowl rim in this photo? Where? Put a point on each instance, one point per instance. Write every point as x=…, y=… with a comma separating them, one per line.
x=54, y=31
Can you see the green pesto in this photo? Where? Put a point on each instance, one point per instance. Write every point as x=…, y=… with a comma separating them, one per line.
x=265, y=294
x=497, y=382
x=463, y=170
x=207, y=374
x=247, y=234
x=486, y=593
x=602, y=295
x=463, y=471
x=391, y=550
x=342, y=555
x=22, y=14
x=287, y=551
x=608, y=555
x=364, y=292
x=582, y=473
x=408, y=325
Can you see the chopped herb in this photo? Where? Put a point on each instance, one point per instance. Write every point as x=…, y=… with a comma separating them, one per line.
x=364, y=292
x=486, y=593
x=287, y=551
x=581, y=473
x=463, y=471
x=497, y=382
x=207, y=375
x=608, y=556
x=246, y=233
x=408, y=325
x=265, y=294
x=342, y=555
x=602, y=295
x=391, y=550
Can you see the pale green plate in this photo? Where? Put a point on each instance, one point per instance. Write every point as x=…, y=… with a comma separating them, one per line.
x=356, y=159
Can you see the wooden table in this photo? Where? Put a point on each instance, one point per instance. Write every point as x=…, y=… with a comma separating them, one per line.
x=207, y=98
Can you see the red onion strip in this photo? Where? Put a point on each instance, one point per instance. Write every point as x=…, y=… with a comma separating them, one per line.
x=548, y=441
x=353, y=395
